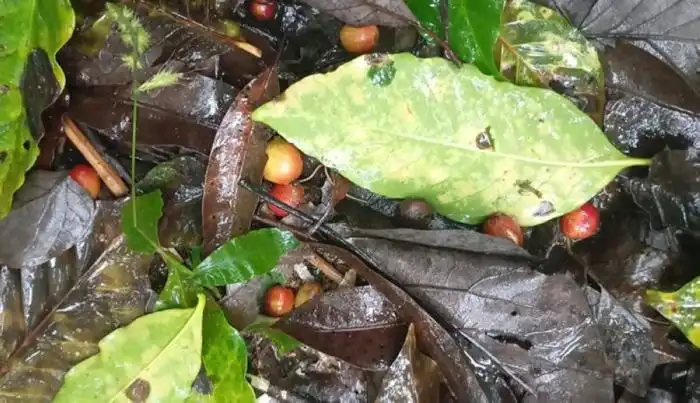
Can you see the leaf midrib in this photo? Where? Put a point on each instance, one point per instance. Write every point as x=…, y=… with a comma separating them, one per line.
x=628, y=161
x=169, y=345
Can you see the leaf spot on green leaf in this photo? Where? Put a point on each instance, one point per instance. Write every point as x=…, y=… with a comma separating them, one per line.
x=525, y=187
x=138, y=391
x=484, y=141
x=381, y=71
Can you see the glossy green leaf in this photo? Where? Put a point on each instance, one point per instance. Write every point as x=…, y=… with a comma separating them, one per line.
x=538, y=45
x=140, y=221
x=245, y=257
x=225, y=357
x=464, y=142
x=428, y=14
x=473, y=27
x=680, y=307
x=180, y=290
x=155, y=358
x=31, y=32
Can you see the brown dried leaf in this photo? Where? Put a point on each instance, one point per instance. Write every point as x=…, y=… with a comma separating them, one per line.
x=358, y=325
x=413, y=377
x=110, y=294
x=238, y=152
x=365, y=12
x=432, y=337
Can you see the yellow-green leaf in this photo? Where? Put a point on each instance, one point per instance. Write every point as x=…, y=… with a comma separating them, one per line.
x=464, y=142
x=154, y=359
x=680, y=307
x=31, y=32
x=539, y=47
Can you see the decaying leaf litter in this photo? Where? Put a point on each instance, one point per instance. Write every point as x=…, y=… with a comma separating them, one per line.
x=359, y=270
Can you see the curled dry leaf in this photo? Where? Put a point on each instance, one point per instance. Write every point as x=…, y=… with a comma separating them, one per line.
x=110, y=294
x=357, y=324
x=238, y=153
x=366, y=12
x=52, y=213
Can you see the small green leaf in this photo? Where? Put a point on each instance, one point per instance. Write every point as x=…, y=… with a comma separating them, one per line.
x=155, y=358
x=245, y=257
x=680, y=307
x=285, y=343
x=422, y=137
x=225, y=357
x=180, y=290
x=31, y=33
x=140, y=221
x=473, y=29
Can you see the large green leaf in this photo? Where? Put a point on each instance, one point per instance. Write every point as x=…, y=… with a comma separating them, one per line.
x=473, y=27
x=428, y=13
x=464, y=142
x=538, y=45
x=682, y=307
x=31, y=32
x=156, y=357
x=245, y=257
x=225, y=357
x=140, y=221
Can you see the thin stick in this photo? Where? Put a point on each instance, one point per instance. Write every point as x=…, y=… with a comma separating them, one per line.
x=109, y=175
x=325, y=267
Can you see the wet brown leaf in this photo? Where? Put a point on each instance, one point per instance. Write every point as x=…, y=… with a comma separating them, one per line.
x=433, y=339
x=413, y=377
x=185, y=115
x=538, y=328
x=238, y=153
x=651, y=108
x=108, y=295
x=94, y=57
x=358, y=325
x=365, y=12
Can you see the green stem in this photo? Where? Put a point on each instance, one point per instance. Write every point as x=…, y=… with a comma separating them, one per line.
x=134, y=117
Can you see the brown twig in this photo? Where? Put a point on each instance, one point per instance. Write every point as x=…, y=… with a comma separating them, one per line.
x=109, y=175
x=322, y=264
